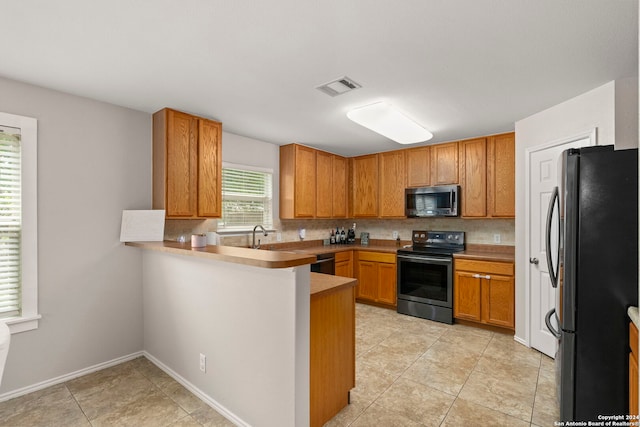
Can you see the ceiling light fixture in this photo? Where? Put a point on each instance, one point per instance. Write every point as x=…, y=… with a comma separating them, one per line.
x=384, y=119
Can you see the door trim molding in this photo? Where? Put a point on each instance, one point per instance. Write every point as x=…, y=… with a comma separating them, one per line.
x=590, y=134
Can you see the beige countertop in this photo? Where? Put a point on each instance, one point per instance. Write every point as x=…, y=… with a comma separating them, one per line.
x=499, y=253
x=633, y=315
x=322, y=283
x=245, y=256
x=320, y=249
x=300, y=253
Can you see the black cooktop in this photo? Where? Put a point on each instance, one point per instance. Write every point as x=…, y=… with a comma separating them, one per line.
x=435, y=242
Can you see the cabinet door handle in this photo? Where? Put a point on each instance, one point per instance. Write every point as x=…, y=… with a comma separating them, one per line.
x=487, y=277
x=477, y=276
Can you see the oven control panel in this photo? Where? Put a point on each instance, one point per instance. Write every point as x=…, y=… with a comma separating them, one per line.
x=445, y=238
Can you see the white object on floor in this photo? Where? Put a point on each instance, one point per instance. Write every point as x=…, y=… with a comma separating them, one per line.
x=5, y=340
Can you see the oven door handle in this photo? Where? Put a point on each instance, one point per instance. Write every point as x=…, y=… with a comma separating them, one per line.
x=425, y=259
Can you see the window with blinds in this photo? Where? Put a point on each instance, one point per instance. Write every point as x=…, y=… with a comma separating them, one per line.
x=246, y=197
x=10, y=222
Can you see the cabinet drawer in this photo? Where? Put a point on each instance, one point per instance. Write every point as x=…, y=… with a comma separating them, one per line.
x=488, y=267
x=376, y=257
x=343, y=256
x=633, y=339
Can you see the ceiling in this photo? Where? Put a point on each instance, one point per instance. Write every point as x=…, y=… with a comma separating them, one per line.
x=461, y=68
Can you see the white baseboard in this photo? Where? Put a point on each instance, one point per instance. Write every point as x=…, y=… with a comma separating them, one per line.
x=521, y=341
x=199, y=393
x=67, y=377
x=63, y=378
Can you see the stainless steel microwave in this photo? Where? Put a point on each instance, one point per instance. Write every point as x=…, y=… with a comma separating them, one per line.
x=431, y=201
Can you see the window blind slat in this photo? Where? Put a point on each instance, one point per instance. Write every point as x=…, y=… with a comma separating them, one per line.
x=246, y=198
x=10, y=224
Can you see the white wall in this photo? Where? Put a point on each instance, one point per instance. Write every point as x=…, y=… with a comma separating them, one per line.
x=252, y=152
x=94, y=160
x=251, y=323
x=594, y=109
x=627, y=113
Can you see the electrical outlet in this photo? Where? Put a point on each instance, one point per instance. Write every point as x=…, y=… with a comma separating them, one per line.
x=496, y=238
x=203, y=362
x=395, y=235
x=279, y=236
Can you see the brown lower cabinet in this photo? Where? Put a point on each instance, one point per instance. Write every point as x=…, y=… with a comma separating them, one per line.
x=344, y=264
x=633, y=370
x=484, y=292
x=376, y=274
x=332, y=360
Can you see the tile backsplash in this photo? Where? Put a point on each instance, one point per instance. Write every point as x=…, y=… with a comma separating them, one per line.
x=478, y=231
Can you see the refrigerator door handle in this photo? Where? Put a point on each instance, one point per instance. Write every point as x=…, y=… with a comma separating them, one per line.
x=547, y=320
x=553, y=273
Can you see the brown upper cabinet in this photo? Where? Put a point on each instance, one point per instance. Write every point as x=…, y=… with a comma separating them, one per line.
x=487, y=176
x=444, y=163
x=313, y=183
x=418, y=166
x=501, y=175
x=365, y=187
x=187, y=165
x=392, y=183
x=473, y=177
x=340, y=186
x=324, y=190
x=316, y=184
x=297, y=181
x=378, y=182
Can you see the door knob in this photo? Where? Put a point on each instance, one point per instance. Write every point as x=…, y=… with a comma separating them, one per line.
x=533, y=261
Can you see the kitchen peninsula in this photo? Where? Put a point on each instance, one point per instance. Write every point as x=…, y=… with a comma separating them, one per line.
x=253, y=315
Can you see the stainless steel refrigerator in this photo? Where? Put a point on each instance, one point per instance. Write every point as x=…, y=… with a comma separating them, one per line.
x=595, y=271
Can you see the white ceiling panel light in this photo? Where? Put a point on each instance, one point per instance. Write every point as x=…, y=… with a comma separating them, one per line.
x=386, y=120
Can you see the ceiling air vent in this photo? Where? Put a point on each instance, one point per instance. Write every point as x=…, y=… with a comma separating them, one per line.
x=339, y=86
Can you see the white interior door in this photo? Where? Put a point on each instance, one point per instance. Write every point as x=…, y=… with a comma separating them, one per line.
x=543, y=166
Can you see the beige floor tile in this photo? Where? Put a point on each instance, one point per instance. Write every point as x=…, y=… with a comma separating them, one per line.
x=371, y=382
x=369, y=337
x=183, y=397
x=448, y=353
x=187, y=421
x=547, y=363
x=507, y=369
x=54, y=409
x=392, y=360
x=511, y=397
x=154, y=374
x=102, y=378
x=464, y=413
x=546, y=409
x=208, y=417
x=417, y=402
x=32, y=401
x=505, y=348
x=408, y=373
x=154, y=409
x=108, y=393
x=376, y=415
x=467, y=339
x=444, y=375
x=347, y=415
x=410, y=342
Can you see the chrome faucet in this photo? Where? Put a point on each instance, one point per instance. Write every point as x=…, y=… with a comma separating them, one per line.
x=253, y=245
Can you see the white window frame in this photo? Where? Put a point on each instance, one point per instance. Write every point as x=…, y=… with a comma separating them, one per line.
x=244, y=230
x=28, y=319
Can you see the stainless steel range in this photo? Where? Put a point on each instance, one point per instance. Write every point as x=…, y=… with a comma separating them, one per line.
x=425, y=274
